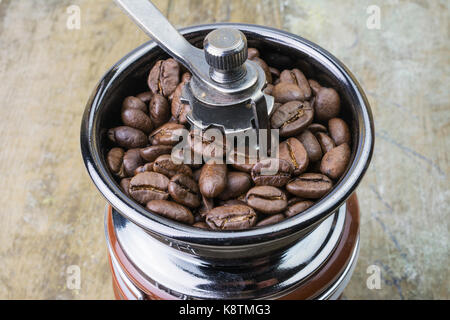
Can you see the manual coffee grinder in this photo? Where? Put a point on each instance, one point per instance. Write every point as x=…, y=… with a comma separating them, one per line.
x=309, y=256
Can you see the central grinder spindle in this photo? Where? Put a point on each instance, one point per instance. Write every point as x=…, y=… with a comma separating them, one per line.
x=226, y=89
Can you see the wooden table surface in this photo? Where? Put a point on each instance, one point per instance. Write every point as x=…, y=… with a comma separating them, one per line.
x=52, y=215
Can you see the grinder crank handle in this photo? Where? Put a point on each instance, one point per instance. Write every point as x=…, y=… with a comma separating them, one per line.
x=154, y=23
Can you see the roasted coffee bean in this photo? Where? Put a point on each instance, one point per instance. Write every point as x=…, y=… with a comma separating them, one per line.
x=317, y=127
x=180, y=110
x=127, y=137
x=168, y=134
x=148, y=186
x=145, y=168
x=266, y=199
x=125, y=185
x=284, y=92
x=297, y=208
x=327, y=104
x=237, y=217
x=201, y=225
x=315, y=86
x=145, y=96
x=295, y=76
x=164, y=77
x=171, y=210
x=265, y=68
x=114, y=160
x=311, y=145
x=292, y=118
x=159, y=110
x=339, y=131
x=292, y=150
x=335, y=161
x=270, y=220
x=279, y=179
x=131, y=161
x=213, y=179
x=252, y=53
x=237, y=183
x=164, y=164
x=184, y=190
x=310, y=185
x=151, y=153
x=134, y=104
x=326, y=143
x=137, y=119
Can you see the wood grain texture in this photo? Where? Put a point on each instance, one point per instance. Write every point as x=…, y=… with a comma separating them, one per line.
x=52, y=215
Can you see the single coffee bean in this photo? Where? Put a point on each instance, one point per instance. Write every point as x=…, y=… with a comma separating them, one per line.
x=292, y=150
x=171, y=210
x=131, y=161
x=114, y=160
x=335, y=161
x=164, y=77
x=237, y=217
x=148, y=186
x=262, y=175
x=159, y=110
x=270, y=220
x=252, y=53
x=201, y=225
x=295, y=76
x=284, y=92
x=184, y=190
x=339, y=131
x=213, y=179
x=137, y=119
x=151, y=153
x=327, y=104
x=125, y=185
x=145, y=168
x=145, y=97
x=164, y=164
x=312, y=146
x=292, y=118
x=265, y=67
x=266, y=199
x=237, y=184
x=310, y=185
x=315, y=86
x=297, y=208
x=317, y=127
x=180, y=110
x=134, y=104
x=326, y=143
x=168, y=134
x=127, y=137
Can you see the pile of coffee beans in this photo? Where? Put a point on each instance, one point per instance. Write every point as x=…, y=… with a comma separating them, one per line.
x=314, y=153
